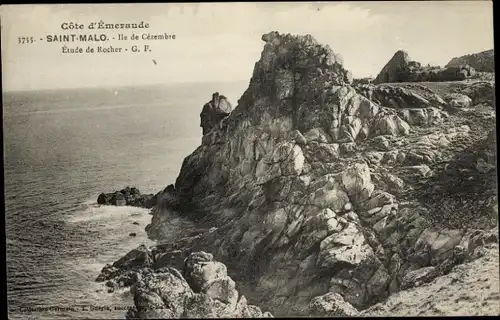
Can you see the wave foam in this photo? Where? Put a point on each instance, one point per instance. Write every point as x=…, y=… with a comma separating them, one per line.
x=95, y=212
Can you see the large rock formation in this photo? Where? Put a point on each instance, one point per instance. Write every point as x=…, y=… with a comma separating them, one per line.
x=391, y=72
x=318, y=196
x=198, y=288
x=482, y=61
x=401, y=69
x=214, y=111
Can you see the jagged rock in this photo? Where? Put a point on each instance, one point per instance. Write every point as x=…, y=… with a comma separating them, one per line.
x=331, y=305
x=127, y=197
x=423, y=117
x=214, y=111
x=391, y=71
x=166, y=293
x=399, y=97
x=202, y=270
x=436, y=245
x=136, y=259
x=347, y=247
x=392, y=125
x=118, y=199
x=418, y=277
x=112, y=286
x=104, y=198
x=381, y=143
x=284, y=180
x=401, y=69
x=395, y=184
x=161, y=295
x=482, y=61
x=482, y=92
x=457, y=100
x=167, y=198
x=479, y=238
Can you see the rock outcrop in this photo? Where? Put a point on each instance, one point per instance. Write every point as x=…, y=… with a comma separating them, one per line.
x=321, y=198
x=199, y=288
x=391, y=72
x=482, y=61
x=401, y=69
x=470, y=289
x=127, y=197
x=214, y=111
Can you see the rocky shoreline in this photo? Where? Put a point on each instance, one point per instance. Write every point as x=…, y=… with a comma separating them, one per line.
x=315, y=196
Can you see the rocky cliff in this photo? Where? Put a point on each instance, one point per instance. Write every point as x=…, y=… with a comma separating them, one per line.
x=482, y=61
x=323, y=198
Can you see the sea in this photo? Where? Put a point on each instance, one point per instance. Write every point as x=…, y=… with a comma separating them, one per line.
x=61, y=149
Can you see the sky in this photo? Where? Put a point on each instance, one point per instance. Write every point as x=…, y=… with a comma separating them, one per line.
x=222, y=41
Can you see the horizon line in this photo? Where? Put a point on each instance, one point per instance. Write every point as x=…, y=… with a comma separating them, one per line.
x=180, y=83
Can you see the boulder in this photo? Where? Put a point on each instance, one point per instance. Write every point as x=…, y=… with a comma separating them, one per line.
x=482, y=92
x=457, y=100
x=436, y=245
x=168, y=293
x=331, y=305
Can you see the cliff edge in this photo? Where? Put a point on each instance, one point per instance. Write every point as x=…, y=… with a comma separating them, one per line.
x=324, y=198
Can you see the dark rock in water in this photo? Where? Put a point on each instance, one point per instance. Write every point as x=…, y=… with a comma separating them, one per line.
x=129, y=196
x=108, y=272
x=136, y=259
x=118, y=199
x=104, y=198
x=132, y=234
x=112, y=286
x=214, y=111
x=135, y=222
x=145, y=201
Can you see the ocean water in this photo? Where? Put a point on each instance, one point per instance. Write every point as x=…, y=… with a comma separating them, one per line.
x=61, y=149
